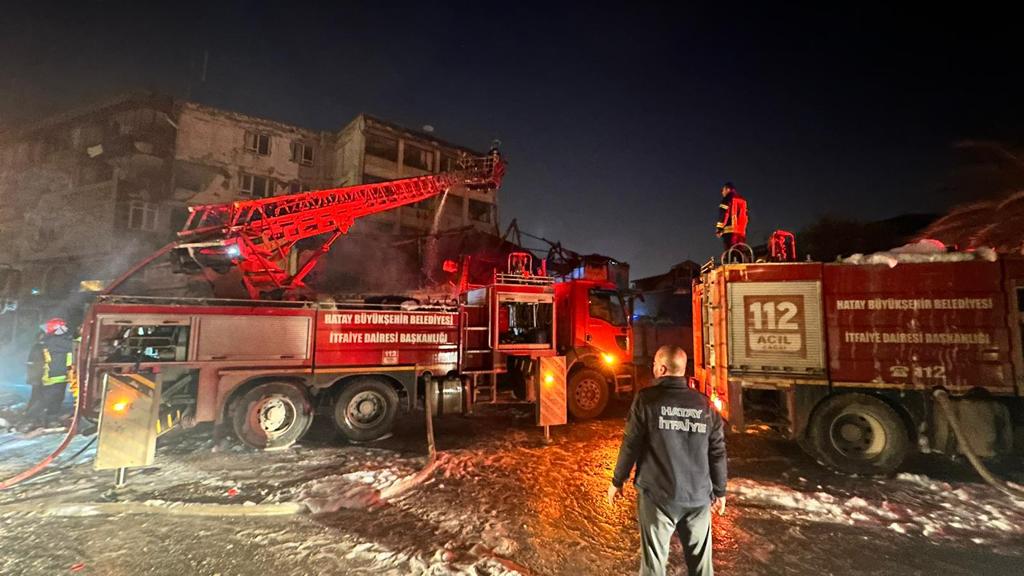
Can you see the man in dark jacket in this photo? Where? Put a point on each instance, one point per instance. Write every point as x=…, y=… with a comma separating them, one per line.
x=677, y=443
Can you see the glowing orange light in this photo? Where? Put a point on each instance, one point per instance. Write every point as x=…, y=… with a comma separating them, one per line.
x=120, y=406
x=609, y=359
x=549, y=379
x=717, y=402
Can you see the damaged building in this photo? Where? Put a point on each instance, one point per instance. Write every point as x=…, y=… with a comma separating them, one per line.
x=86, y=193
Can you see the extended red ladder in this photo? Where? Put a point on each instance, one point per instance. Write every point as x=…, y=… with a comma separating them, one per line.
x=257, y=236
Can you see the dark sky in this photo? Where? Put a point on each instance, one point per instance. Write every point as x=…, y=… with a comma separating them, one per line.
x=620, y=121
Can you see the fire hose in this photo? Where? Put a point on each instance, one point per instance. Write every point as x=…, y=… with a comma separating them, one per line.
x=39, y=466
x=79, y=409
x=942, y=397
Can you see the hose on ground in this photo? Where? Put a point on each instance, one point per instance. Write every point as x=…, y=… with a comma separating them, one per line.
x=39, y=466
x=73, y=426
x=942, y=397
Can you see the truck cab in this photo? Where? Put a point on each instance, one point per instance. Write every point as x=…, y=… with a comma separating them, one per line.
x=595, y=335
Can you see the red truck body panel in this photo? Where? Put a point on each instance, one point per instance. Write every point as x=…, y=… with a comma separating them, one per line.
x=920, y=326
x=954, y=324
x=386, y=338
x=320, y=340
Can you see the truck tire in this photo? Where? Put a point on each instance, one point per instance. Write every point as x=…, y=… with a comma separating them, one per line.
x=588, y=394
x=272, y=415
x=858, y=434
x=364, y=409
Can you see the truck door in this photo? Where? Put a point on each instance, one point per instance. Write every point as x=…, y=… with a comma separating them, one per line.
x=607, y=327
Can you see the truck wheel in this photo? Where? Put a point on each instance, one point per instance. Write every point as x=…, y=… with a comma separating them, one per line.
x=588, y=394
x=365, y=409
x=272, y=415
x=859, y=434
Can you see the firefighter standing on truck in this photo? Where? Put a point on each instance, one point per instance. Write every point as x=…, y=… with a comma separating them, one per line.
x=57, y=360
x=732, y=217
x=677, y=442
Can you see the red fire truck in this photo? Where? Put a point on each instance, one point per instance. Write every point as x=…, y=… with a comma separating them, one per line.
x=847, y=356
x=265, y=366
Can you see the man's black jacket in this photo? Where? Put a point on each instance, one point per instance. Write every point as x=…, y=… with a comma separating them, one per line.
x=677, y=442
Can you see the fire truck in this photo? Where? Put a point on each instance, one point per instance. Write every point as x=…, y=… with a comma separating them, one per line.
x=848, y=357
x=266, y=363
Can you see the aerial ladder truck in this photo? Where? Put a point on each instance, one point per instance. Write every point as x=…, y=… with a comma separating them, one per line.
x=265, y=364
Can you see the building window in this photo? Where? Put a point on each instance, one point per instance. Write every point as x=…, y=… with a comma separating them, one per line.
x=302, y=153
x=453, y=207
x=258, y=142
x=296, y=186
x=256, y=186
x=142, y=216
x=382, y=147
x=449, y=163
x=416, y=157
x=479, y=211
x=94, y=172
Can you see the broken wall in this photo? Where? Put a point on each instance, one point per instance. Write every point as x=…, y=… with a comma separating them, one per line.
x=213, y=153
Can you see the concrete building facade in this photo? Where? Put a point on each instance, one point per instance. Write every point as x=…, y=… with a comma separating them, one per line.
x=85, y=193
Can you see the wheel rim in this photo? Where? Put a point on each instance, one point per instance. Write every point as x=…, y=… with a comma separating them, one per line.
x=275, y=415
x=366, y=409
x=856, y=434
x=587, y=394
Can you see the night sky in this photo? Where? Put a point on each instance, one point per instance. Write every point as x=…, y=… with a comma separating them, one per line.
x=620, y=121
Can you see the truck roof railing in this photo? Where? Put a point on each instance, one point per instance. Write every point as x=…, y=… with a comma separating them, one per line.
x=521, y=280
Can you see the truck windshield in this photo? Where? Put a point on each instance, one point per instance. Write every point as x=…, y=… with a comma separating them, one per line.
x=607, y=305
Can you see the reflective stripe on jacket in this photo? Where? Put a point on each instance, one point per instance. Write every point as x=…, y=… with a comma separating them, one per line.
x=732, y=214
x=57, y=348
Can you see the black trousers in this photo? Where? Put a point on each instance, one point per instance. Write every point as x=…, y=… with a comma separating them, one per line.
x=731, y=239
x=48, y=404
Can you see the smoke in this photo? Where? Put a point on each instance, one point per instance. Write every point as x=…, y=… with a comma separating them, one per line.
x=367, y=263
x=430, y=259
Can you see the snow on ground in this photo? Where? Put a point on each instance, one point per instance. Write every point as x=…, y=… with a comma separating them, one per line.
x=934, y=509
x=496, y=501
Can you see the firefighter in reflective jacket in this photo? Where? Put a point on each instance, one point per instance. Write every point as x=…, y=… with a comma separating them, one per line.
x=57, y=359
x=732, y=217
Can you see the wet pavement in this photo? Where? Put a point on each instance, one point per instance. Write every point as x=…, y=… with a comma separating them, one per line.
x=498, y=501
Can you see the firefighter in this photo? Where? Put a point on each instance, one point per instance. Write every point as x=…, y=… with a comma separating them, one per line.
x=34, y=371
x=732, y=217
x=57, y=359
x=676, y=441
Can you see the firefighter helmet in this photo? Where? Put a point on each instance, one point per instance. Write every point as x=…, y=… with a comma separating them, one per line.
x=55, y=327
